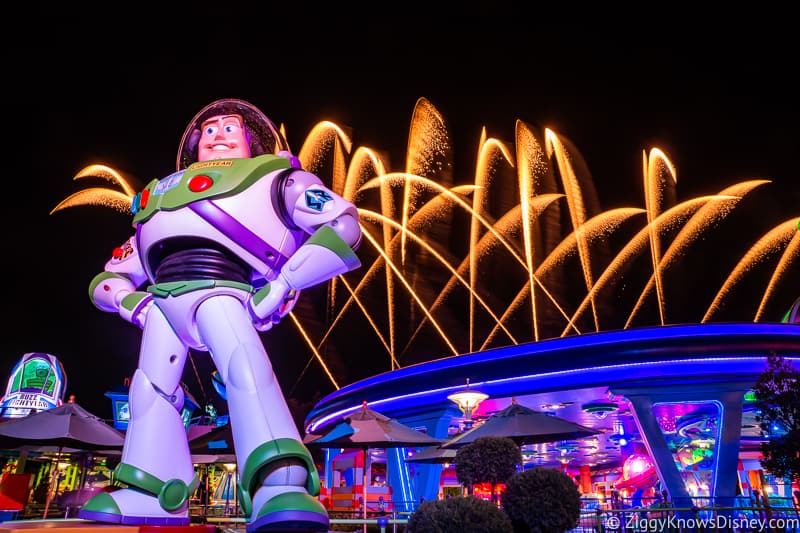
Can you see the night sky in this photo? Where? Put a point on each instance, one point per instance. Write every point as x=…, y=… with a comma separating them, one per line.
x=724, y=109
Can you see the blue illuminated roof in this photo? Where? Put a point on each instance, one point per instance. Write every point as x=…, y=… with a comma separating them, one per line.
x=678, y=354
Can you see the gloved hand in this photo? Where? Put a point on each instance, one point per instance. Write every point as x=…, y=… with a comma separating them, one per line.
x=271, y=303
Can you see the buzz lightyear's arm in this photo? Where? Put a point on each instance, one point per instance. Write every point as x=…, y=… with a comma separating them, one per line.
x=114, y=289
x=335, y=234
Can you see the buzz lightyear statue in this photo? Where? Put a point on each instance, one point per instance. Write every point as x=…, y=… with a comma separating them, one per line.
x=221, y=250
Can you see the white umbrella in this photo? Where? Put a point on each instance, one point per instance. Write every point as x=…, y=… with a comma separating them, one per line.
x=434, y=456
x=524, y=426
x=66, y=426
x=367, y=429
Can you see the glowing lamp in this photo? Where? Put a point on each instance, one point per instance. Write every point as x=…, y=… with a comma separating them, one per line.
x=599, y=409
x=567, y=447
x=619, y=436
x=638, y=465
x=467, y=400
x=637, y=471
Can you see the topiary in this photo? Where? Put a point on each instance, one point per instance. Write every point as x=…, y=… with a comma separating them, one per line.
x=542, y=500
x=487, y=460
x=461, y=514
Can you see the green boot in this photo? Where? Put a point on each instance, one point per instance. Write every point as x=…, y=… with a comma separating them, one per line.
x=169, y=500
x=294, y=510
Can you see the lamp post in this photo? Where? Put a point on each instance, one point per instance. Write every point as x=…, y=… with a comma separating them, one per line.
x=467, y=400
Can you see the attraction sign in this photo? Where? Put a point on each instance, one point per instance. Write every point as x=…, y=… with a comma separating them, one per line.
x=37, y=383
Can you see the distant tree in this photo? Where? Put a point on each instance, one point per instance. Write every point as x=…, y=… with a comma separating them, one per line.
x=487, y=460
x=461, y=514
x=778, y=414
x=542, y=500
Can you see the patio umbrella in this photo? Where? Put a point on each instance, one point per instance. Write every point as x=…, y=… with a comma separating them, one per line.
x=524, y=426
x=433, y=456
x=66, y=426
x=367, y=429
x=218, y=441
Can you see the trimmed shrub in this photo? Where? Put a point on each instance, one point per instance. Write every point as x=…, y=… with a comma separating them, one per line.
x=461, y=514
x=487, y=460
x=542, y=500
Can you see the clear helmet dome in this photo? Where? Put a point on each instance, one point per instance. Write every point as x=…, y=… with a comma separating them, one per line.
x=264, y=137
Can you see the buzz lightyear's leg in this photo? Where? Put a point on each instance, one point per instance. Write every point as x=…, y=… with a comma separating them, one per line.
x=156, y=465
x=278, y=479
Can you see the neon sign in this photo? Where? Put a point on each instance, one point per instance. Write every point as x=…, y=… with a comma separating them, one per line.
x=37, y=383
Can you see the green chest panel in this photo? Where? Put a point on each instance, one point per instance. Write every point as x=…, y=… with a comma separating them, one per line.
x=205, y=179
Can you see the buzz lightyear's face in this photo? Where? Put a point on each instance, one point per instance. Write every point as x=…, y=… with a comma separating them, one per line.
x=223, y=137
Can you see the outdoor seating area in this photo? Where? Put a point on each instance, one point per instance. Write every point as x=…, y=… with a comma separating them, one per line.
x=53, y=483
x=58, y=458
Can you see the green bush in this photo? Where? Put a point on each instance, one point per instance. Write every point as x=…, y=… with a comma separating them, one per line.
x=542, y=500
x=487, y=460
x=778, y=405
x=460, y=514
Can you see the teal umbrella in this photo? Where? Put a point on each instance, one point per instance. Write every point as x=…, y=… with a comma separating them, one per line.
x=367, y=429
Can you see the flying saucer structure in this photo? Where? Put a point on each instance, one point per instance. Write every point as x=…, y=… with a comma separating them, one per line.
x=672, y=390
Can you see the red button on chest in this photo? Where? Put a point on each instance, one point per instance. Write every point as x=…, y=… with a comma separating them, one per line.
x=200, y=183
